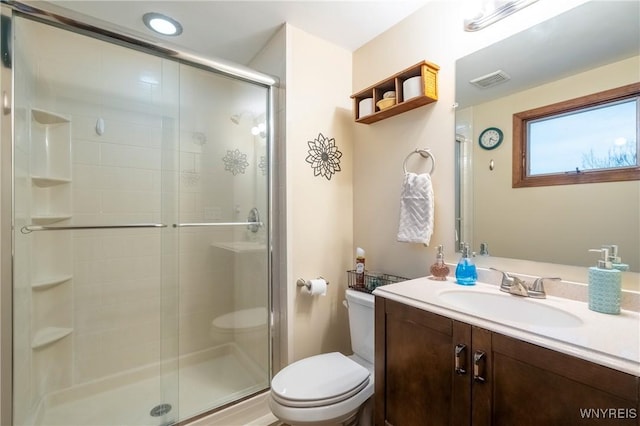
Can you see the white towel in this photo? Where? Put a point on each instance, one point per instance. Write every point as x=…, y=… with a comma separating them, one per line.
x=416, y=209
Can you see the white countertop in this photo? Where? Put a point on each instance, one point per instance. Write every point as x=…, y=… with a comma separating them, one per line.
x=609, y=340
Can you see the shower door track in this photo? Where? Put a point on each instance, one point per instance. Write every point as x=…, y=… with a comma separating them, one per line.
x=90, y=26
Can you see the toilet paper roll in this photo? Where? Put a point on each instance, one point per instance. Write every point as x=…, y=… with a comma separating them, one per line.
x=318, y=286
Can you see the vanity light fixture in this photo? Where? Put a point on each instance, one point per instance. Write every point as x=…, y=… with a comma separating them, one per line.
x=486, y=12
x=162, y=24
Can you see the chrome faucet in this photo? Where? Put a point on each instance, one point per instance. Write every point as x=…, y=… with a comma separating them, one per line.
x=519, y=287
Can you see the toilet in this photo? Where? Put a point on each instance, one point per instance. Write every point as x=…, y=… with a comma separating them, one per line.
x=331, y=389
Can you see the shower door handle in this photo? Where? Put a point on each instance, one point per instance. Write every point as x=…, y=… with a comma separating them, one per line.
x=33, y=228
x=194, y=225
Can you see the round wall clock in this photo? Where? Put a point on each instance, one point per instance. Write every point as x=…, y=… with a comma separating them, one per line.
x=490, y=138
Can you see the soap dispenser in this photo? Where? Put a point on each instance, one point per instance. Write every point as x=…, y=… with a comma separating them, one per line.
x=360, y=267
x=439, y=270
x=605, y=285
x=466, y=273
x=614, y=258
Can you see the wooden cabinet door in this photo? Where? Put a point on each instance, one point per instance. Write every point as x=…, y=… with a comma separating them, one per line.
x=431, y=370
x=481, y=377
x=414, y=367
x=532, y=385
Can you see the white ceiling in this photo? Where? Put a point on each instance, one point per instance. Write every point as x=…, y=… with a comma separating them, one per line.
x=595, y=33
x=237, y=30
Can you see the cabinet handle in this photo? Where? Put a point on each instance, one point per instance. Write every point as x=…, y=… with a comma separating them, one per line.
x=460, y=358
x=478, y=358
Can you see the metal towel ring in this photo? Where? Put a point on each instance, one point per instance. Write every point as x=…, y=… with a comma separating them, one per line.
x=425, y=153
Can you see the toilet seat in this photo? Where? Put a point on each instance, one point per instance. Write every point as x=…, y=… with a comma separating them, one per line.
x=319, y=380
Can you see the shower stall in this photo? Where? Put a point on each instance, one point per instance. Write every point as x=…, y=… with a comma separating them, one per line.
x=139, y=198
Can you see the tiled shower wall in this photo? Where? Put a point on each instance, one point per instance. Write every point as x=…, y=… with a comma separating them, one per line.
x=118, y=177
x=158, y=160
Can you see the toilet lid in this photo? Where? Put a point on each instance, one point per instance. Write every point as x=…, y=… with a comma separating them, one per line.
x=319, y=380
x=243, y=319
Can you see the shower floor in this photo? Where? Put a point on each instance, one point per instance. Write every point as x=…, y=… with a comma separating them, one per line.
x=207, y=380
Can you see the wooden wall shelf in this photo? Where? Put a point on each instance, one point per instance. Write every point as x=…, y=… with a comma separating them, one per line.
x=429, y=92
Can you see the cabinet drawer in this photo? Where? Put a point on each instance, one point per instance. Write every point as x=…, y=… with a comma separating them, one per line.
x=588, y=373
x=419, y=317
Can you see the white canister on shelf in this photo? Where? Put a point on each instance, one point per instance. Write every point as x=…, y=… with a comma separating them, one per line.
x=412, y=87
x=365, y=107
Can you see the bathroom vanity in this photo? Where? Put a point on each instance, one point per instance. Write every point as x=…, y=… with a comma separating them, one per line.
x=438, y=364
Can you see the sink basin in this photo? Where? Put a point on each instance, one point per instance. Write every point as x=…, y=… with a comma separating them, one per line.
x=505, y=307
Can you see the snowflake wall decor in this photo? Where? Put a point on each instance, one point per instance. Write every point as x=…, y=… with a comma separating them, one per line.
x=235, y=162
x=324, y=156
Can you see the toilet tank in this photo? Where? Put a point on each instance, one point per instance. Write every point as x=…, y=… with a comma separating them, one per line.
x=361, y=323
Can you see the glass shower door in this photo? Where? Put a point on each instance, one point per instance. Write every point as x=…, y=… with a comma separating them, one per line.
x=95, y=287
x=224, y=276
x=141, y=267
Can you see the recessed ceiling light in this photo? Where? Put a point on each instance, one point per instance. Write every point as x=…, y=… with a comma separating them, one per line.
x=162, y=24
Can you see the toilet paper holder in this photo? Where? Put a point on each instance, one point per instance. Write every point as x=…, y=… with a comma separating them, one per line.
x=304, y=283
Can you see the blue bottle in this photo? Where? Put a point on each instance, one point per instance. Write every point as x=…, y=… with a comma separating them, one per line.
x=466, y=273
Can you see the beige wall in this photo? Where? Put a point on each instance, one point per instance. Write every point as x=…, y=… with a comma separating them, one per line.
x=319, y=211
x=381, y=148
x=612, y=207
x=434, y=33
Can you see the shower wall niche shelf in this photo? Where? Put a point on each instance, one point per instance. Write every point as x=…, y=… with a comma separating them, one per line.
x=427, y=92
x=50, y=167
x=50, y=146
x=45, y=182
x=51, y=260
x=49, y=219
x=51, y=282
x=49, y=335
x=47, y=117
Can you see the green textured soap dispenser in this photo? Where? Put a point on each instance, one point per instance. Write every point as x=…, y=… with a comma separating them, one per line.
x=605, y=285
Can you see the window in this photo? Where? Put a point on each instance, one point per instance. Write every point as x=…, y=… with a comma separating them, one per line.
x=589, y=139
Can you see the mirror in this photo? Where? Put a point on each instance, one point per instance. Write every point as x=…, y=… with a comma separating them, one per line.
x=590, y=48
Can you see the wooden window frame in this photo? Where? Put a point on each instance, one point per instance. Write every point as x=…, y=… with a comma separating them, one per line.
x=520, y=120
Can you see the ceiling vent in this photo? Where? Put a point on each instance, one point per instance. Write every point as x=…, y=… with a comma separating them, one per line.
x=491, y=79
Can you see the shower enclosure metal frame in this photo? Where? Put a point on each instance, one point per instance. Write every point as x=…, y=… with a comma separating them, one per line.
x=88, y=26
